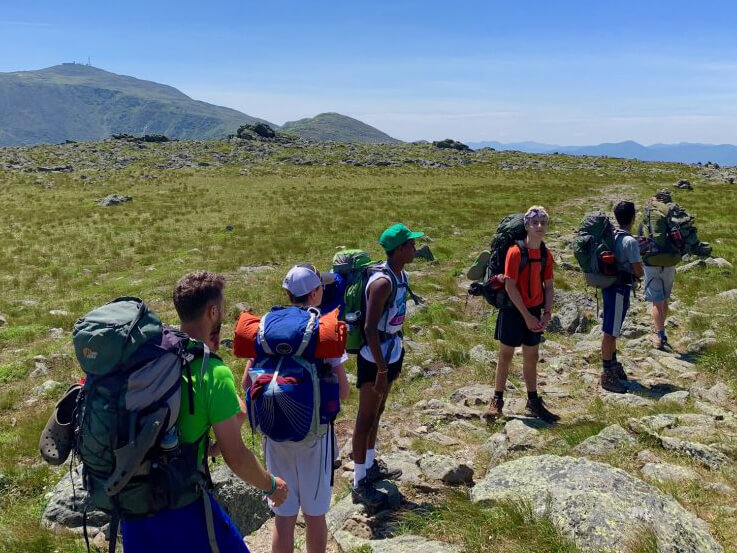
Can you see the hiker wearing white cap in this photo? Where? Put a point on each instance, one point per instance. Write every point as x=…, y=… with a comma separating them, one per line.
x=304, y=465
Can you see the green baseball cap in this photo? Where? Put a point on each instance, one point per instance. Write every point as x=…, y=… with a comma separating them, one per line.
x=396, y=235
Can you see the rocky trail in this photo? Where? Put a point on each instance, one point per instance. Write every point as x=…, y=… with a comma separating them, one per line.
x=602, y=474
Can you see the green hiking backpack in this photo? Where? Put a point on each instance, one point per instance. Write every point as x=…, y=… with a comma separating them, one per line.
x=488, y=269
x=594, y=250
x=355, y=267
x=127, y=436
x=669, y=233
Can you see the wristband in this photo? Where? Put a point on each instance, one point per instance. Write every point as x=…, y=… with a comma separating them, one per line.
x=273, y=487
x=382, y=372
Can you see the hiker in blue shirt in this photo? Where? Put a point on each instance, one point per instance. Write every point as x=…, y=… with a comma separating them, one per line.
x=617, y=297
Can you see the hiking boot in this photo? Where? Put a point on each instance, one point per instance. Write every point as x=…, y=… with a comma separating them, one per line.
x=495, y=409
x=611, y=383
x=369, y=496
x=380, y=471
x=619, y=371
x=536, y=408
x=662, y=343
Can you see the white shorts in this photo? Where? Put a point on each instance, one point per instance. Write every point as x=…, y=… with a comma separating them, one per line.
x=658, y=282
x=306, y=468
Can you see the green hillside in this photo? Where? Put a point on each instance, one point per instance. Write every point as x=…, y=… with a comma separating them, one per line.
x=80, y=102
x=338, y=128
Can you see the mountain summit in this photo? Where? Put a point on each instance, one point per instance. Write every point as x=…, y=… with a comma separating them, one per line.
x=72, y=101
x=336, y=127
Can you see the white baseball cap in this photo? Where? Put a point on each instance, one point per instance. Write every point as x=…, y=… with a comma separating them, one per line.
x=303, y=279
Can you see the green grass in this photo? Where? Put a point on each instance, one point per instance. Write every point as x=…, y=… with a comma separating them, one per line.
x=510, y=527
x=64, y=252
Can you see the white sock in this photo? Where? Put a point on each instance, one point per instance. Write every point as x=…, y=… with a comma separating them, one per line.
x=370, y=453
x=359, y=473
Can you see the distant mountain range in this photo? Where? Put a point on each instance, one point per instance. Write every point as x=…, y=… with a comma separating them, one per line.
x=336, y=127
x=79, y=102
x=684, y=152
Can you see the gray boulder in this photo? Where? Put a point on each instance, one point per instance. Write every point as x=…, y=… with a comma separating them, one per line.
x=597, y=505
x=401, y=544
x=610, y=438
x=245, y=505
x=573, y=313
x=113, y=199
x=666, y=472
x=473, y=394
x=522, y=436
x=446, y=469
x=424, y=252
x=481, y=354
x=65, y=509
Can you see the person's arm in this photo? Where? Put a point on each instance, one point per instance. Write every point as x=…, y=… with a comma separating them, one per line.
x=243, y=462
x=548, y=305
x=246, y=380
x=635, y=257
x=532, y=322
x=637, y=269
x=345, y=389
x=378, y=294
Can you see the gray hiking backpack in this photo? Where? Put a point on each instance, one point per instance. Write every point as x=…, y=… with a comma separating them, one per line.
x=127, y=437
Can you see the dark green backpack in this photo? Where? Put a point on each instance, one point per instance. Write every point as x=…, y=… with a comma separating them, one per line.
x=127, y=436
x=356, y=267
x=489, y=264
x=594, y=250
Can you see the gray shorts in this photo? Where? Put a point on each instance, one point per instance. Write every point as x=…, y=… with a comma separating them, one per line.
x=658, y=282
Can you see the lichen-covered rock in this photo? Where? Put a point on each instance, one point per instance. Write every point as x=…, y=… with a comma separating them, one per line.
x=65, y=509
x=400, y=544
x=446, y=469
x=473, y=394
x=599, y=506
x=706, y=455
x=522, y=436
x=666, y=472
x=243, y=503
x=610, y=438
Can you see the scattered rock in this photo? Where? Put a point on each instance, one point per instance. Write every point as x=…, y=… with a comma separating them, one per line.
x=610, y=438
x=626, y=400
x=114, y=199
x=683, y=184
x=47, y=387
x=728, y=294
x=59, y=313
x=497, y=446
x=407, y=543
x=243, y=503
x=446, y=469
x=680, y=397
x=3, y=320
x=521, y=436
x=597, y=505
x=573, y=313
x=481, y=354
x=647, y=456
x=449, y=143
x=56, y=333
x=63, y=511
x=255, y=270
x=718, y=262
x=665, y=472
x=706, y=455
x=40, y=368
x=424, y=253
x=407, y=462
x=473, y=394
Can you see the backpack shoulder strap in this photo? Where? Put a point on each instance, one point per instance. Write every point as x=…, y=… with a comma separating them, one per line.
x=525, y=256
x=543, y=260
x=310, y=329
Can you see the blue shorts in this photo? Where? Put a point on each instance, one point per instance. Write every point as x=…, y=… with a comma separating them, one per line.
x=182, y=530
x=616, y=304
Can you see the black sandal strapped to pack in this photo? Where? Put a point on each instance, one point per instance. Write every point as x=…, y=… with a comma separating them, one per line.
x=57, y=437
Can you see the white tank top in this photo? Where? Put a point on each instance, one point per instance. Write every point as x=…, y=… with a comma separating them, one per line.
x=392, y=320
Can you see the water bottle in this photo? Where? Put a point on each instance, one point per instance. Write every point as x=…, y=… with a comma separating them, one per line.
x=170, y=442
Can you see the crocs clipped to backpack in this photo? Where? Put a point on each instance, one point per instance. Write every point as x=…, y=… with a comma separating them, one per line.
x=57, y=437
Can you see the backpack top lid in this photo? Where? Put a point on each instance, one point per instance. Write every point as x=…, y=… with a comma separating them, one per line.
x=106, y=337
x=288, y=332
x=348, y=261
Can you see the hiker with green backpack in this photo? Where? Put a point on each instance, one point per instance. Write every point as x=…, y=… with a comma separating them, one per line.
x=193, y=520
x=517, y=275
x=375, y=333
x=666, y=234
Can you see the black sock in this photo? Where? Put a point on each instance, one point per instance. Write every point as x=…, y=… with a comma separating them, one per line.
x=608, y=364
x=499, y=395
x=532, y=395
x=614, y=358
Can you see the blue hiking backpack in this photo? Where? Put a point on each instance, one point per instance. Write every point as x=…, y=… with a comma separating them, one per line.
x=293, y=396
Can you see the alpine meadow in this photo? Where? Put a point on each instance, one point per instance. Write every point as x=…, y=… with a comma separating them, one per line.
x=251, y=207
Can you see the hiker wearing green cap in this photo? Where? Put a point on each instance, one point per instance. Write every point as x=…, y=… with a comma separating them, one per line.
x=380, y=359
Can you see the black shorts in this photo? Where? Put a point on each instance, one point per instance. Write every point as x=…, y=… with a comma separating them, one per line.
x=367, y=370
x=511, y=329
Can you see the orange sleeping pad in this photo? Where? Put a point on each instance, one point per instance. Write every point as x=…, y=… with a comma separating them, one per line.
x=331, y=340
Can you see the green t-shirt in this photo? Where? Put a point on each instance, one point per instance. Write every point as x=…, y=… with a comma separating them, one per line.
x=215, y=400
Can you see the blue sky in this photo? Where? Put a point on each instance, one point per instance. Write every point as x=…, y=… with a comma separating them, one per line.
x=560, y=72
